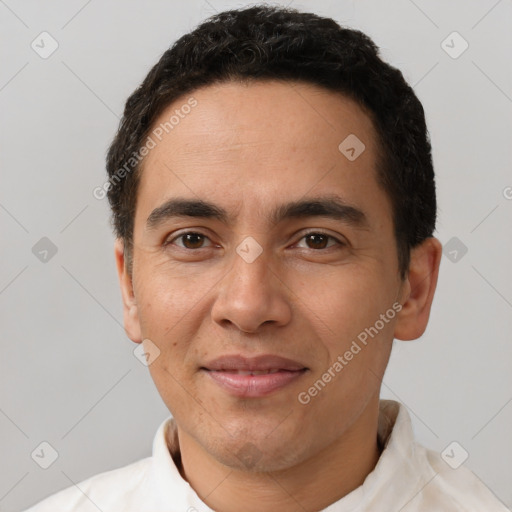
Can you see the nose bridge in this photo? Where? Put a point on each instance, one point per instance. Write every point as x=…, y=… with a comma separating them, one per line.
x=250, y=276
x=250, y=294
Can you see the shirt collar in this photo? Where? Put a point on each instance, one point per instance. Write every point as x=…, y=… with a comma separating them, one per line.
x=399, y=467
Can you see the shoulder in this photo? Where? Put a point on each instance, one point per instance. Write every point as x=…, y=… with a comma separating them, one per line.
x=114, y=490
x=457, y=489
x=422, y=477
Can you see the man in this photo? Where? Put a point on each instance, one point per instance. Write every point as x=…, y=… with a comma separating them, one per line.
x=273, y=199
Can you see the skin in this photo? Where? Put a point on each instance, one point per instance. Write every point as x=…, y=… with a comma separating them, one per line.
x=248, y=148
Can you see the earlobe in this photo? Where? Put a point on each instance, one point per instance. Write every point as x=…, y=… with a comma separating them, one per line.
x=419, y=288
x=130, y=309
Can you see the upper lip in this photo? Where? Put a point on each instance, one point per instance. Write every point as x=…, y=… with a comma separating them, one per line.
x=259, y=363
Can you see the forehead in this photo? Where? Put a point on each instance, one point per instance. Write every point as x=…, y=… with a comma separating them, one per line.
x=257, y=142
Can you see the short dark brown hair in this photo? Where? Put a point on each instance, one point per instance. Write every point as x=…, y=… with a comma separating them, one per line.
x=273, y=43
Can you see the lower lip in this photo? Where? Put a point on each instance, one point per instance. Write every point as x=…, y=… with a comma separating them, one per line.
x=253, y=386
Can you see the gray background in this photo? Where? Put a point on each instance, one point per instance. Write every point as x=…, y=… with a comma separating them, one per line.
x=67, y=369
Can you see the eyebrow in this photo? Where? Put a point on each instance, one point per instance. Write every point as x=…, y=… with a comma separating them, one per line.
x=330, y=206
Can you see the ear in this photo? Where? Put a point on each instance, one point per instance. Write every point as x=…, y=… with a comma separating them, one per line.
x=418, y=290
x=130, y=310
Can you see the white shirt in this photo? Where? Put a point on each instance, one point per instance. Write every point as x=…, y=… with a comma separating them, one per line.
x=407, y=478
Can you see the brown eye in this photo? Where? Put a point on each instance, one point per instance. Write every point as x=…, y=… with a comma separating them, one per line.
x=318, y=240
x=190, y=240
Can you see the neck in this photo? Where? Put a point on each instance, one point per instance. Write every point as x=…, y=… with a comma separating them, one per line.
x=312, y=484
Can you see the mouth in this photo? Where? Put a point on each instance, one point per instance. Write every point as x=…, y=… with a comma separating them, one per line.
x=250, y=372
x=253, y=377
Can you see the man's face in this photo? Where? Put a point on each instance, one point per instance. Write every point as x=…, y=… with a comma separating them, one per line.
x=300, y=287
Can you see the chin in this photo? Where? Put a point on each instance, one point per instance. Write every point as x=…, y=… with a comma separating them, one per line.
x=256, y=451
x=253, y=458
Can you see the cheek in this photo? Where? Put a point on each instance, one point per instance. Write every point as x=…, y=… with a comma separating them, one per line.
x=165, y=297
x=176, y=392
x=353, y=330
x=347, y=302
x=166, y=313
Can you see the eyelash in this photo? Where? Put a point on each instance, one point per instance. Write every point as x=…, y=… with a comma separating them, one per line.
x=313, y=232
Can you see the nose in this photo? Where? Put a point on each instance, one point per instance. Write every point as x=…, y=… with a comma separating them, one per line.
x=252, y=294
